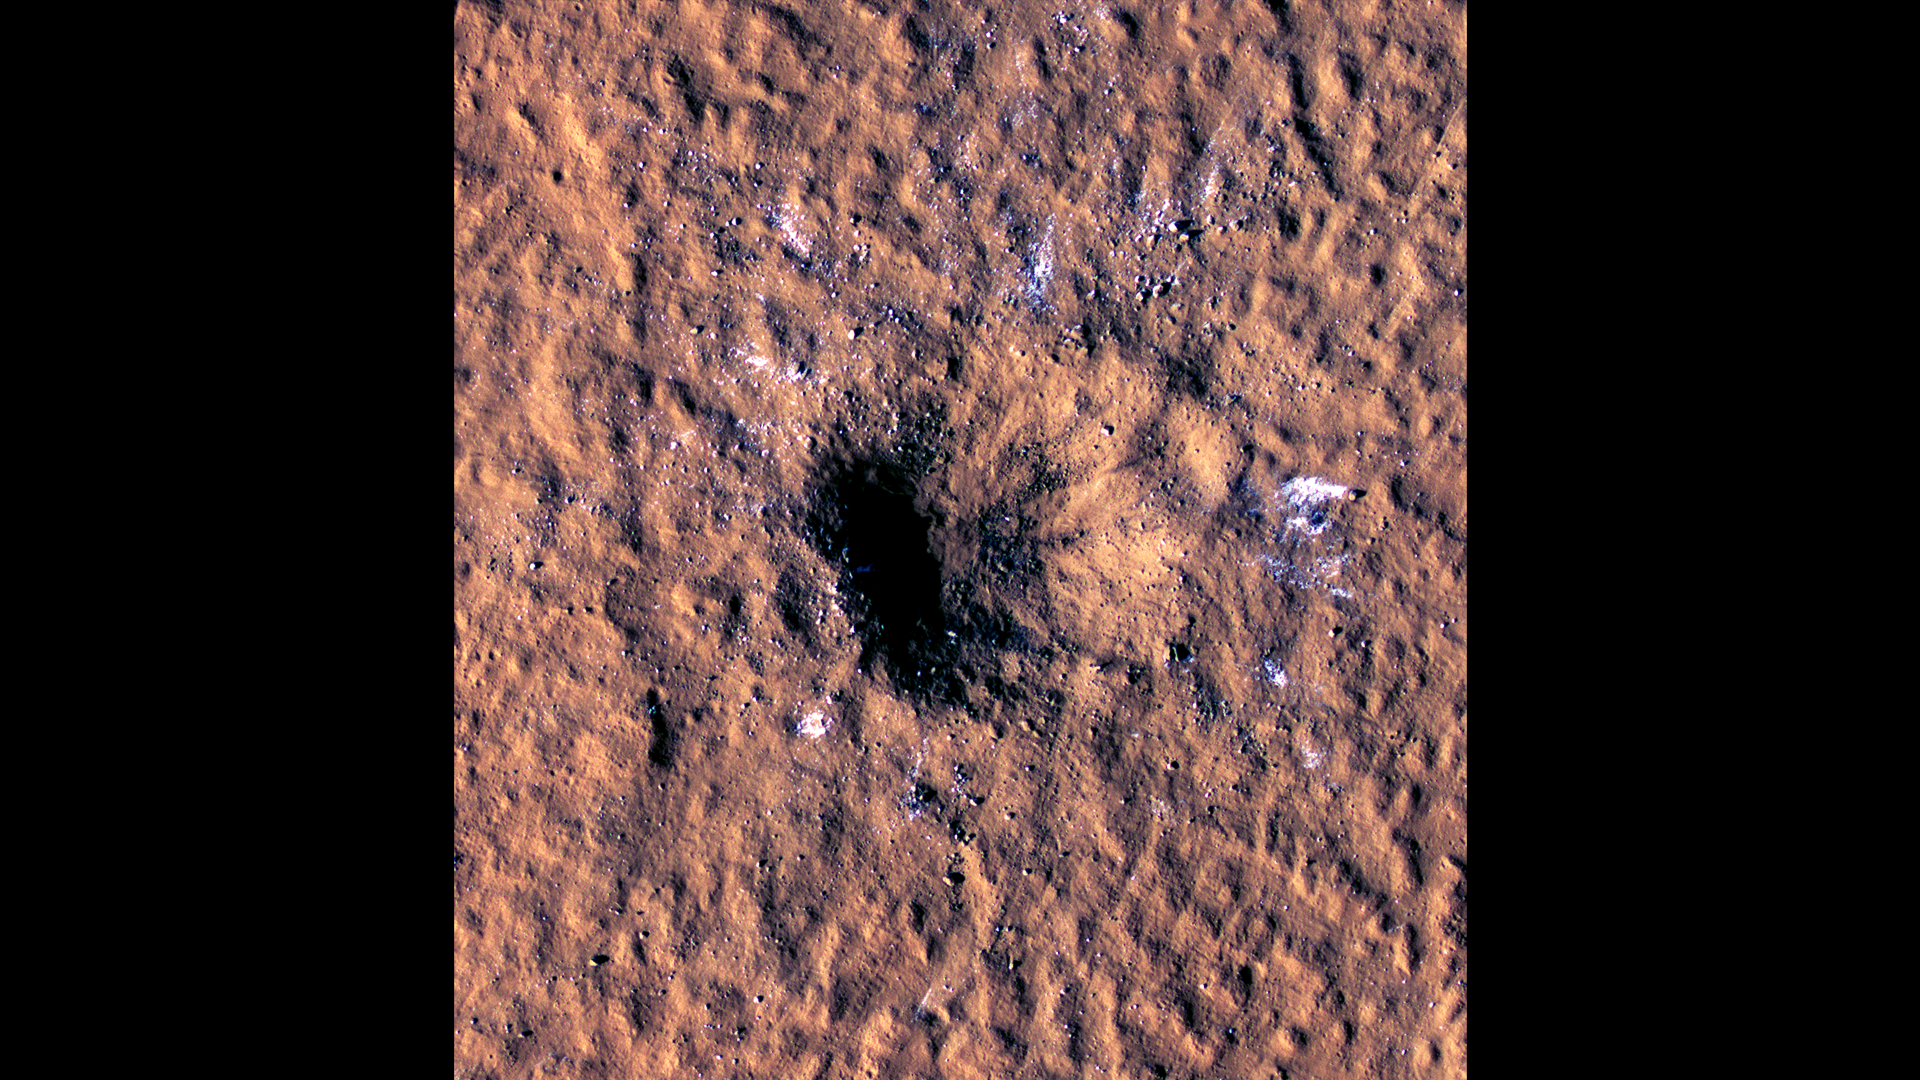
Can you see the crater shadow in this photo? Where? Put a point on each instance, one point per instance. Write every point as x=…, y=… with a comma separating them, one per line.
x=865, y=521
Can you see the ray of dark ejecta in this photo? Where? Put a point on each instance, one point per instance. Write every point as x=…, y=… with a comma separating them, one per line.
x=865, y=520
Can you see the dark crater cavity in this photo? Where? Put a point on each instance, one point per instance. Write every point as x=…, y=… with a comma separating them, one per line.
x=865, y=522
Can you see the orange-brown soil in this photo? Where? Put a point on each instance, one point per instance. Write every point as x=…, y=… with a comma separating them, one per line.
x=960, y=539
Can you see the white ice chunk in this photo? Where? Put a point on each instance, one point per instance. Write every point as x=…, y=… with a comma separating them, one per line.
x=1305, y=495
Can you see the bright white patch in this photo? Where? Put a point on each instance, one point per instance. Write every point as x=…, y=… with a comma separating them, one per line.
x=813, y=725
x=1310, y=490
x=1276, y=674
x=1305, y=495
x=789, y=220
x=1040, y=268
x=1310, y=755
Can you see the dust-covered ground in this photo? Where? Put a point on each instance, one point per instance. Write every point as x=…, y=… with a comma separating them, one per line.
x=959, y=539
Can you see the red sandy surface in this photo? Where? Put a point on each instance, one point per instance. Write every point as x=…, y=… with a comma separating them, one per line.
x=960, y=539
